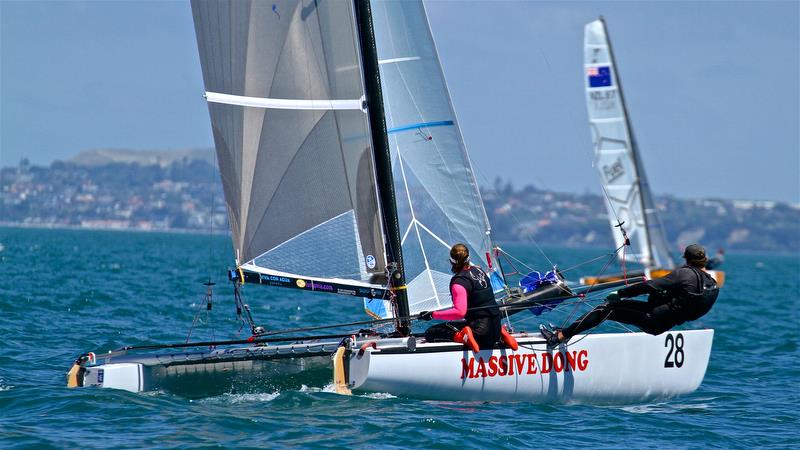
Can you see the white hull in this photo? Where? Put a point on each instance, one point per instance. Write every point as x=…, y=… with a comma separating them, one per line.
x=597, y=368
x=208, y=372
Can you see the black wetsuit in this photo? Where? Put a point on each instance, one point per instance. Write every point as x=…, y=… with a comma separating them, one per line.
x=673, y=299
x=483, y=315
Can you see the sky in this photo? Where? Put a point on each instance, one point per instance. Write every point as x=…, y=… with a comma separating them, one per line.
x=713, y=87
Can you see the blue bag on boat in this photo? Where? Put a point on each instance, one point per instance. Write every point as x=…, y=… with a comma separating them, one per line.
x=534, y=280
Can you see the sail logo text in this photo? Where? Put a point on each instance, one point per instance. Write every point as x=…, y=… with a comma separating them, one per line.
x=614, y=170
x=524, y=364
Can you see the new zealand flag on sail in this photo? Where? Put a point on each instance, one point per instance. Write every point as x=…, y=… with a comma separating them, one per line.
x=599, y=76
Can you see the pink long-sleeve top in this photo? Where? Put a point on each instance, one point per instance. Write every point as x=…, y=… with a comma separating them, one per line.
x=459, y=308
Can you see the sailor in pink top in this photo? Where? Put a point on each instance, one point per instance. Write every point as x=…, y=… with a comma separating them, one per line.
x=459, y=308
x=474, y=312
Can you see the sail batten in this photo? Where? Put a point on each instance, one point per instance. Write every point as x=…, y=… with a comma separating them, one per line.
x=282, y=103
x=420, y=126
x=398, y=60
x=617, y=157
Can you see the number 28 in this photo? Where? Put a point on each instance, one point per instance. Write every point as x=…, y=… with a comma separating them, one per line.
x=675, y=354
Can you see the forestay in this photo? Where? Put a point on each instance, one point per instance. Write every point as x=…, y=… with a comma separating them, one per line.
x=438, y=200
x=617, y=158
x=285, y=92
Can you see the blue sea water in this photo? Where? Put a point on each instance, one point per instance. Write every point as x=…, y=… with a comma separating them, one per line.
x=65, y=292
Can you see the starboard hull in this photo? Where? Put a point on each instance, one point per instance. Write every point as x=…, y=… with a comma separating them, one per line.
x=596, y=368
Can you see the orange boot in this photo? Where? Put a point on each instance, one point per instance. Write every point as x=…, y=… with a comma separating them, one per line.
x=507, y=339
x=465, y=337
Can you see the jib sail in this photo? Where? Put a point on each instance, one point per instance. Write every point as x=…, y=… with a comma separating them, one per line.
x=438, y=201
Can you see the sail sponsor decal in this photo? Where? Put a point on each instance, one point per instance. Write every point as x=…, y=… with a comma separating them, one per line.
x=309, y=284
x=614, y=170
x=599, y=76
x=370, y=261
x=521, y=364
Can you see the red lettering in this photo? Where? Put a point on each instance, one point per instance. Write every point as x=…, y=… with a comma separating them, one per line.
x=516, y=364
x=467, y=370
x=547, y=362
x=570, y=361
x=492, y=366
x=520, y=363
x=531, y=363
x=558, y=362
x=583, y=359
x=503, y=365
x=481, y=371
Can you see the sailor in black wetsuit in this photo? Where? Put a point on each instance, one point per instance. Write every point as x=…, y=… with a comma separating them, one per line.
x=686, y=293
x=473, y=301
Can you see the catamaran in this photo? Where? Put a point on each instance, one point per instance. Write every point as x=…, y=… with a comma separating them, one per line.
x=345, y=172
x=619, y=164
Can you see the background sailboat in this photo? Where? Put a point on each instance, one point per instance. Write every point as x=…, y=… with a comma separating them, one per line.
x=619, y=164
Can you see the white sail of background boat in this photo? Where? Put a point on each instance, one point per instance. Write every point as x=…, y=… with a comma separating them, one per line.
x=344, y=172
x=619, y=162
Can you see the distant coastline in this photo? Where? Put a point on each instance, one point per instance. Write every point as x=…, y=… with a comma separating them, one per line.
x=39, y=226
x=180, y=192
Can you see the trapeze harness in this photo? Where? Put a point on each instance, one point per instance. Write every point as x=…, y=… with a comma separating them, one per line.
x=694, y=305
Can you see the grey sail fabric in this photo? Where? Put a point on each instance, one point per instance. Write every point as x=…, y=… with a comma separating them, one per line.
x=617, y=157
x=438, y=200
x=285, y=92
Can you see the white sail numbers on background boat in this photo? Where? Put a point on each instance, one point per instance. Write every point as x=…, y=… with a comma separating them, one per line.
x=345, y=172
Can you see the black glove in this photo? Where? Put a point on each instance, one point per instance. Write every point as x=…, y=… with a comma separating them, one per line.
x=613, y=297
x=426, y=315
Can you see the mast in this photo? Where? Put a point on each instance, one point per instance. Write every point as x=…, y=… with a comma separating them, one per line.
x=383, y=164
x=634, y=147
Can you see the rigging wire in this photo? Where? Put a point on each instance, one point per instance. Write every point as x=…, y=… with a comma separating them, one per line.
x=625, y=239
x=194, y=321
x=528, y=236
x=593, y=285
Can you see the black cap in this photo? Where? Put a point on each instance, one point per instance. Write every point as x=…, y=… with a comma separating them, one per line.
x=694, y=252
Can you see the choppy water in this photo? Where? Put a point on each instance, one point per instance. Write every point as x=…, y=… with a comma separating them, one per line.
x=66, y=292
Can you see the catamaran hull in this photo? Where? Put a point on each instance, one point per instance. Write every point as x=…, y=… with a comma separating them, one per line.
x=210, y=372
x=597, y=368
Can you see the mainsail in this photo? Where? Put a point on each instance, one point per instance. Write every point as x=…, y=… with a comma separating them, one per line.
x=617, y=156
x=438, y=201
x=286, y=97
